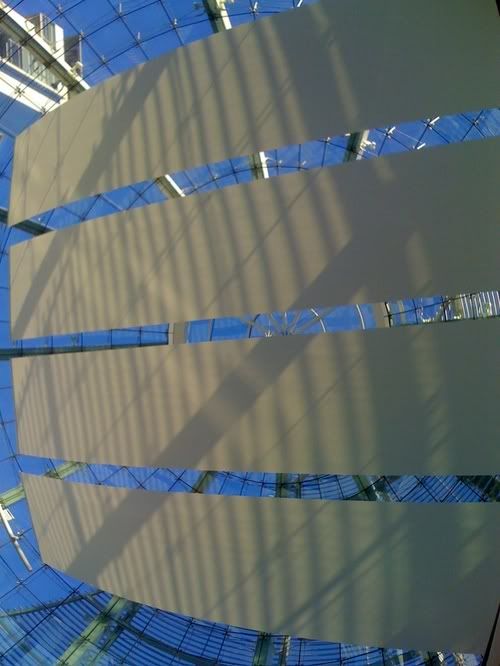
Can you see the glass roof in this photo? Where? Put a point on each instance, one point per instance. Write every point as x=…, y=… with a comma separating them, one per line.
x=47, y=617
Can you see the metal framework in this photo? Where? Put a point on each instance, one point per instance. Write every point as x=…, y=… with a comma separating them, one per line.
x=115, y=616
x=221, y=21
x=29, y=226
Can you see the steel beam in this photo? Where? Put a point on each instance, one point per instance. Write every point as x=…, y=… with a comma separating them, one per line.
x=19, y=640
x=169, y=187
x=50, y=604
x=264, y=650
x=177, y=653
x=217, y=15
x=492, y=654
x=355, y=146
x=203, y=482
x=30, y=226
x=102, y=623
x=373, y=487
x=8, y=353
x=488, y=486
x=13, y=495
x=286, y=486
x=258, y=165
x=220, y=21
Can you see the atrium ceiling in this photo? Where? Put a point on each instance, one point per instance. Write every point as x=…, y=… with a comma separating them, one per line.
x=49, y=617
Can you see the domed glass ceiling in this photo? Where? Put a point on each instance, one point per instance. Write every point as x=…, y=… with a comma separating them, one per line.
x=47, y=617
